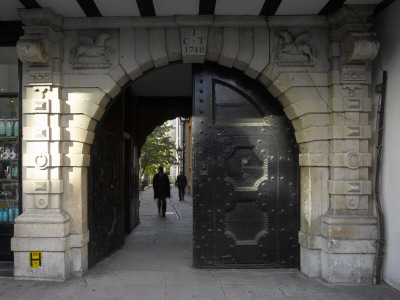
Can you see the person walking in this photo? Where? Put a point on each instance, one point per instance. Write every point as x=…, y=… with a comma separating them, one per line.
x=162, y=190
x=181, y=182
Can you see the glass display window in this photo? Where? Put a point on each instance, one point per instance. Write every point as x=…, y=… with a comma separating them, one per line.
x=9, y=136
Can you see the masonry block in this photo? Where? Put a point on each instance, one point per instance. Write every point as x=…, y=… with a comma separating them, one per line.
x=142, y=52
x=119, y=75
x=312, y=134
x=313, y=160
x=314, y=147
x=96, y=95
x=310, y=261
x=246, y=49
x=157, y=46
x=214, y=44
x=86, y=107
x=104, y=82
x=314, y=198
x=55, y=266
x=78, y=135
x=127, y=56
x=349, y=227
x=310, y=120
x=261, y=48
x=230, y=48
x=347, y=268
x=173, y=44
x=350, y=187
x=79, y=121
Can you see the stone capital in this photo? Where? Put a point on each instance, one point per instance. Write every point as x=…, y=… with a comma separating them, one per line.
x=33, y=50
x=41, y=45
x=360, y=47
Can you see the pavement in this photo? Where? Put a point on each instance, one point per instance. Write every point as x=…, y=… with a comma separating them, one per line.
x=155, y=263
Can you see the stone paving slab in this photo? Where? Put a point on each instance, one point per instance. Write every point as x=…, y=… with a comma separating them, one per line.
x=155, y=263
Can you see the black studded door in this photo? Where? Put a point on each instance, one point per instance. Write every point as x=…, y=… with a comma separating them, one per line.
x=106, y=195
x=246, y=202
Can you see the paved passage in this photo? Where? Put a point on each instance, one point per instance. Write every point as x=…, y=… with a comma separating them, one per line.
x=156, y=264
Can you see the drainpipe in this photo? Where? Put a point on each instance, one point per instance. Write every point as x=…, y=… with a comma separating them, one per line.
x=381, y=218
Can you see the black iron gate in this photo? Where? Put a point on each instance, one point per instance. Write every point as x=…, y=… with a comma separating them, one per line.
x=106, y=198
x=246, y=200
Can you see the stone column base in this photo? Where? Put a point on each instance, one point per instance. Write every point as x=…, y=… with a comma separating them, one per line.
x=55, y=266
x=310, y=262
x=44, y=233
x=79, y=253
x=348, y=248
x=347, y=267
x=310, y=254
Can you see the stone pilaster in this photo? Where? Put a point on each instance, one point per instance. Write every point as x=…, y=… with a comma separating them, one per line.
x=43, y=226
x=349, y=228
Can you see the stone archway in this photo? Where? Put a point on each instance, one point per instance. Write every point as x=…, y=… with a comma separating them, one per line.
x=310, y=64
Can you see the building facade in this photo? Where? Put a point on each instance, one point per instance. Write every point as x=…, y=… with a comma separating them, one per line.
x=318, y=68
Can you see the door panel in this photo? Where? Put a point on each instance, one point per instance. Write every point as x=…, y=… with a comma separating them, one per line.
x=245, y=174
x=106, y=201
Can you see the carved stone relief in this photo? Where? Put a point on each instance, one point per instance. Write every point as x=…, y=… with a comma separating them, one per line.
x=42, y=201
x=353, y=159
x=295, y=50
x=33, y=50
x=360, y=47
x=42, y=160
x=92, y=52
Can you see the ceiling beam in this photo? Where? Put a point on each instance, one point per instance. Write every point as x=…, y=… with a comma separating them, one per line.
x=30, y=4
x=207, y=7
x=89, y=7
x=381, y=6
x=270, y=7
x=331, y=6
x=10, y=31
x=146, y=8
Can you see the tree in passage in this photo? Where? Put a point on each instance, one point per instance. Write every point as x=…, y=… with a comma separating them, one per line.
x=157, y=151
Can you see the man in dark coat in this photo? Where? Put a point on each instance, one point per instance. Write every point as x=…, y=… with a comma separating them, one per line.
x=162, y=190
x=181, y=182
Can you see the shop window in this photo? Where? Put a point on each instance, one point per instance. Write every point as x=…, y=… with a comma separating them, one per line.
x=10, y=147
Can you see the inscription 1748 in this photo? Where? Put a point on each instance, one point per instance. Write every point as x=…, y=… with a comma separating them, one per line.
x=194, y=44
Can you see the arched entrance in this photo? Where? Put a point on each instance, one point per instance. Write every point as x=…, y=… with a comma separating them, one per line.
x=325, y=96
x=246, y=202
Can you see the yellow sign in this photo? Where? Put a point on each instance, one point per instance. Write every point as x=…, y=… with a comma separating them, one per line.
x=35, y=259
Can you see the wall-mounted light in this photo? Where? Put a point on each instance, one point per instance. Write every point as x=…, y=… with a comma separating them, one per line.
x=179, y=151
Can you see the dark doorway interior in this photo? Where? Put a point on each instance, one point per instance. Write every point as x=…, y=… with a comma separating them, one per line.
x=113, y=195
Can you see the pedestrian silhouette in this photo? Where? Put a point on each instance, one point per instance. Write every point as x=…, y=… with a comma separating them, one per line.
x=181, y=182
x=162, y=190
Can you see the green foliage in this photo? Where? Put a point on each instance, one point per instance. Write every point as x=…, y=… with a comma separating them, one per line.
x=157, y=151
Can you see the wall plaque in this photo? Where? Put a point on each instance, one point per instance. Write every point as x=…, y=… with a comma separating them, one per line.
x=194, y=44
